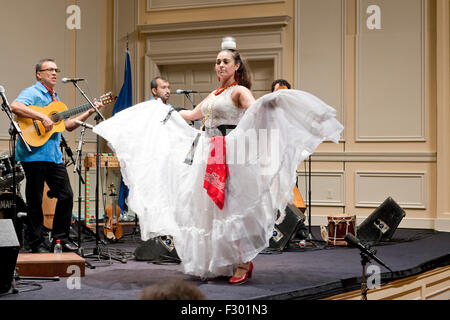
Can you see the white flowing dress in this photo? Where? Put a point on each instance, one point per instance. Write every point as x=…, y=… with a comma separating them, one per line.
x=276, y=133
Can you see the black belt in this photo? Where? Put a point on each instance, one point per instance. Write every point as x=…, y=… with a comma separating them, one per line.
x=223, y=128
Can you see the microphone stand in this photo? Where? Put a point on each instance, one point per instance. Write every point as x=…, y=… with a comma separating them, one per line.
x=366, y=254
x=96, y=251
x=193, y=106
x=14, y=130
x=77, y=168
x=80, y=180
x=189, y=98
x=90, y=102
x=310, y=238
x=364, y=260
x=70, y=154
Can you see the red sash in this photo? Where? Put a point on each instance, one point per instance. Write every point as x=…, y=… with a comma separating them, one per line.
x=216, y=171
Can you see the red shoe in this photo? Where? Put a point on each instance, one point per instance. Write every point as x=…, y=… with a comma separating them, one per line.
x=244, y=278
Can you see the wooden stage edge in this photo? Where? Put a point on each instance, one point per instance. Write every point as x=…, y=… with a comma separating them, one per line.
x=430, y=285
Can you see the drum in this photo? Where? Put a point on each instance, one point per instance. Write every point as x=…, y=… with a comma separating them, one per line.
x=6, y=172
x=7, y=211
x=338, y=227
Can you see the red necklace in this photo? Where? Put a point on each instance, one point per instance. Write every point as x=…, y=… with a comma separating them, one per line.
x=220, y=90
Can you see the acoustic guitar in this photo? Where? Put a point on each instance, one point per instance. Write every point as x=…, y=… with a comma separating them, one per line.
x=34, y=132
x=112, y=228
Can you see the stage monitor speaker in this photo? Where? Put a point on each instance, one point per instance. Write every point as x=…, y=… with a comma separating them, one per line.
x=9, y=250
x=287, y=229
x=158, y=249
x=382, y=223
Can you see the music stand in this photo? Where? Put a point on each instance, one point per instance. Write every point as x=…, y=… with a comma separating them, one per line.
x=308, y=185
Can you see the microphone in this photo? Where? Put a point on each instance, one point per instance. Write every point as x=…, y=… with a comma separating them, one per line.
x=2, y=93
x=65, y=80
x=83, y=124
x=179, y=91
x=354, y=242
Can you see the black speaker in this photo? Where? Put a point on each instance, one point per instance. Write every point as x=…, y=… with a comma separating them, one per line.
x=9, y=250
x=287, y=229
x=382, y=223
x=158, y=249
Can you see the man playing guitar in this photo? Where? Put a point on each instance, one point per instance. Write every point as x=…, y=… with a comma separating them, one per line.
x=45, y=163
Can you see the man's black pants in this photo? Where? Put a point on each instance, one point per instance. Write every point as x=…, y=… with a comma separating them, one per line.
x=58, y=182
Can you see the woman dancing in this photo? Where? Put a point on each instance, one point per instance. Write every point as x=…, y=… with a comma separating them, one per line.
x=221, y=112
x=167, y=166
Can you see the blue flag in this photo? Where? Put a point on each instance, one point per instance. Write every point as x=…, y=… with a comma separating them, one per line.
x=124, y=100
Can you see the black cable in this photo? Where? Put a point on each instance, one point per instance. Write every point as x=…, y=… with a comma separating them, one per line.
x=271, y=251
x=22, y=284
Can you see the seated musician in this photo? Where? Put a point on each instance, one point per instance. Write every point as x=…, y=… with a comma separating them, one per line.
x=45, y=162
x=280, y=84
x=284, y=84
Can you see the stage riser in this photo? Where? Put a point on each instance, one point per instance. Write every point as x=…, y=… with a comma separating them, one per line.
x=442, y=225
x=64, y=264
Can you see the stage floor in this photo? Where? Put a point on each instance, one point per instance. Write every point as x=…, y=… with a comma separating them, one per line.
x=309, y=273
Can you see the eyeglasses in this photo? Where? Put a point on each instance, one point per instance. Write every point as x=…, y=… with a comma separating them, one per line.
x=51, y=70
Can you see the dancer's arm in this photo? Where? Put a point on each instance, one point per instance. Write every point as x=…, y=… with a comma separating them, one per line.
x=242, y=97
x=194, y=114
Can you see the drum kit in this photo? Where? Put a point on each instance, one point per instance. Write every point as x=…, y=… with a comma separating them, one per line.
x=6, y=172
x=6, y=194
